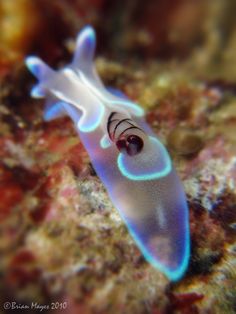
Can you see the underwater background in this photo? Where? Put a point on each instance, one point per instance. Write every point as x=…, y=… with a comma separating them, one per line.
x=63, y=246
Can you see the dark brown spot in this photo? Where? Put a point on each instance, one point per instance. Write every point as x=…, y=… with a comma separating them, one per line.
x=184, y=141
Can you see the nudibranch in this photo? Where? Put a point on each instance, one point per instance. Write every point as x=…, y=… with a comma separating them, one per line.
x=130, y=160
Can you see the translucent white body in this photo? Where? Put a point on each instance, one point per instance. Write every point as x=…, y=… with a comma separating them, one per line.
x=143, y=187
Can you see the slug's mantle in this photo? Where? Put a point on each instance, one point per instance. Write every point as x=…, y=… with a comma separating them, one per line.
x=132, y=163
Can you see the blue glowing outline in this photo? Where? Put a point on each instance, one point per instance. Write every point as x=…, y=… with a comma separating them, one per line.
x=37, y=92
x=155, y=175
x=32, y=65
x=53, y=110
x=117, y=93
x=138, y=110
x=86, y=33
x=91, y=128
x=38, y=67
x=94, y=125
x=104, y=142
x=172, y=275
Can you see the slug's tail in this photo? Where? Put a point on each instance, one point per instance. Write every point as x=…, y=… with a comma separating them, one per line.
x=38, y=68
x=53, y=108
x=85, y=48
x=41, y=71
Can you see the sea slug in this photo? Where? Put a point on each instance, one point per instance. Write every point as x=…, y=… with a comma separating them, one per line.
x=132, y=163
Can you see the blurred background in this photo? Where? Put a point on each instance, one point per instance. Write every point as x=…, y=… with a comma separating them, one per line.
x=62, y=244
x=159, y=29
